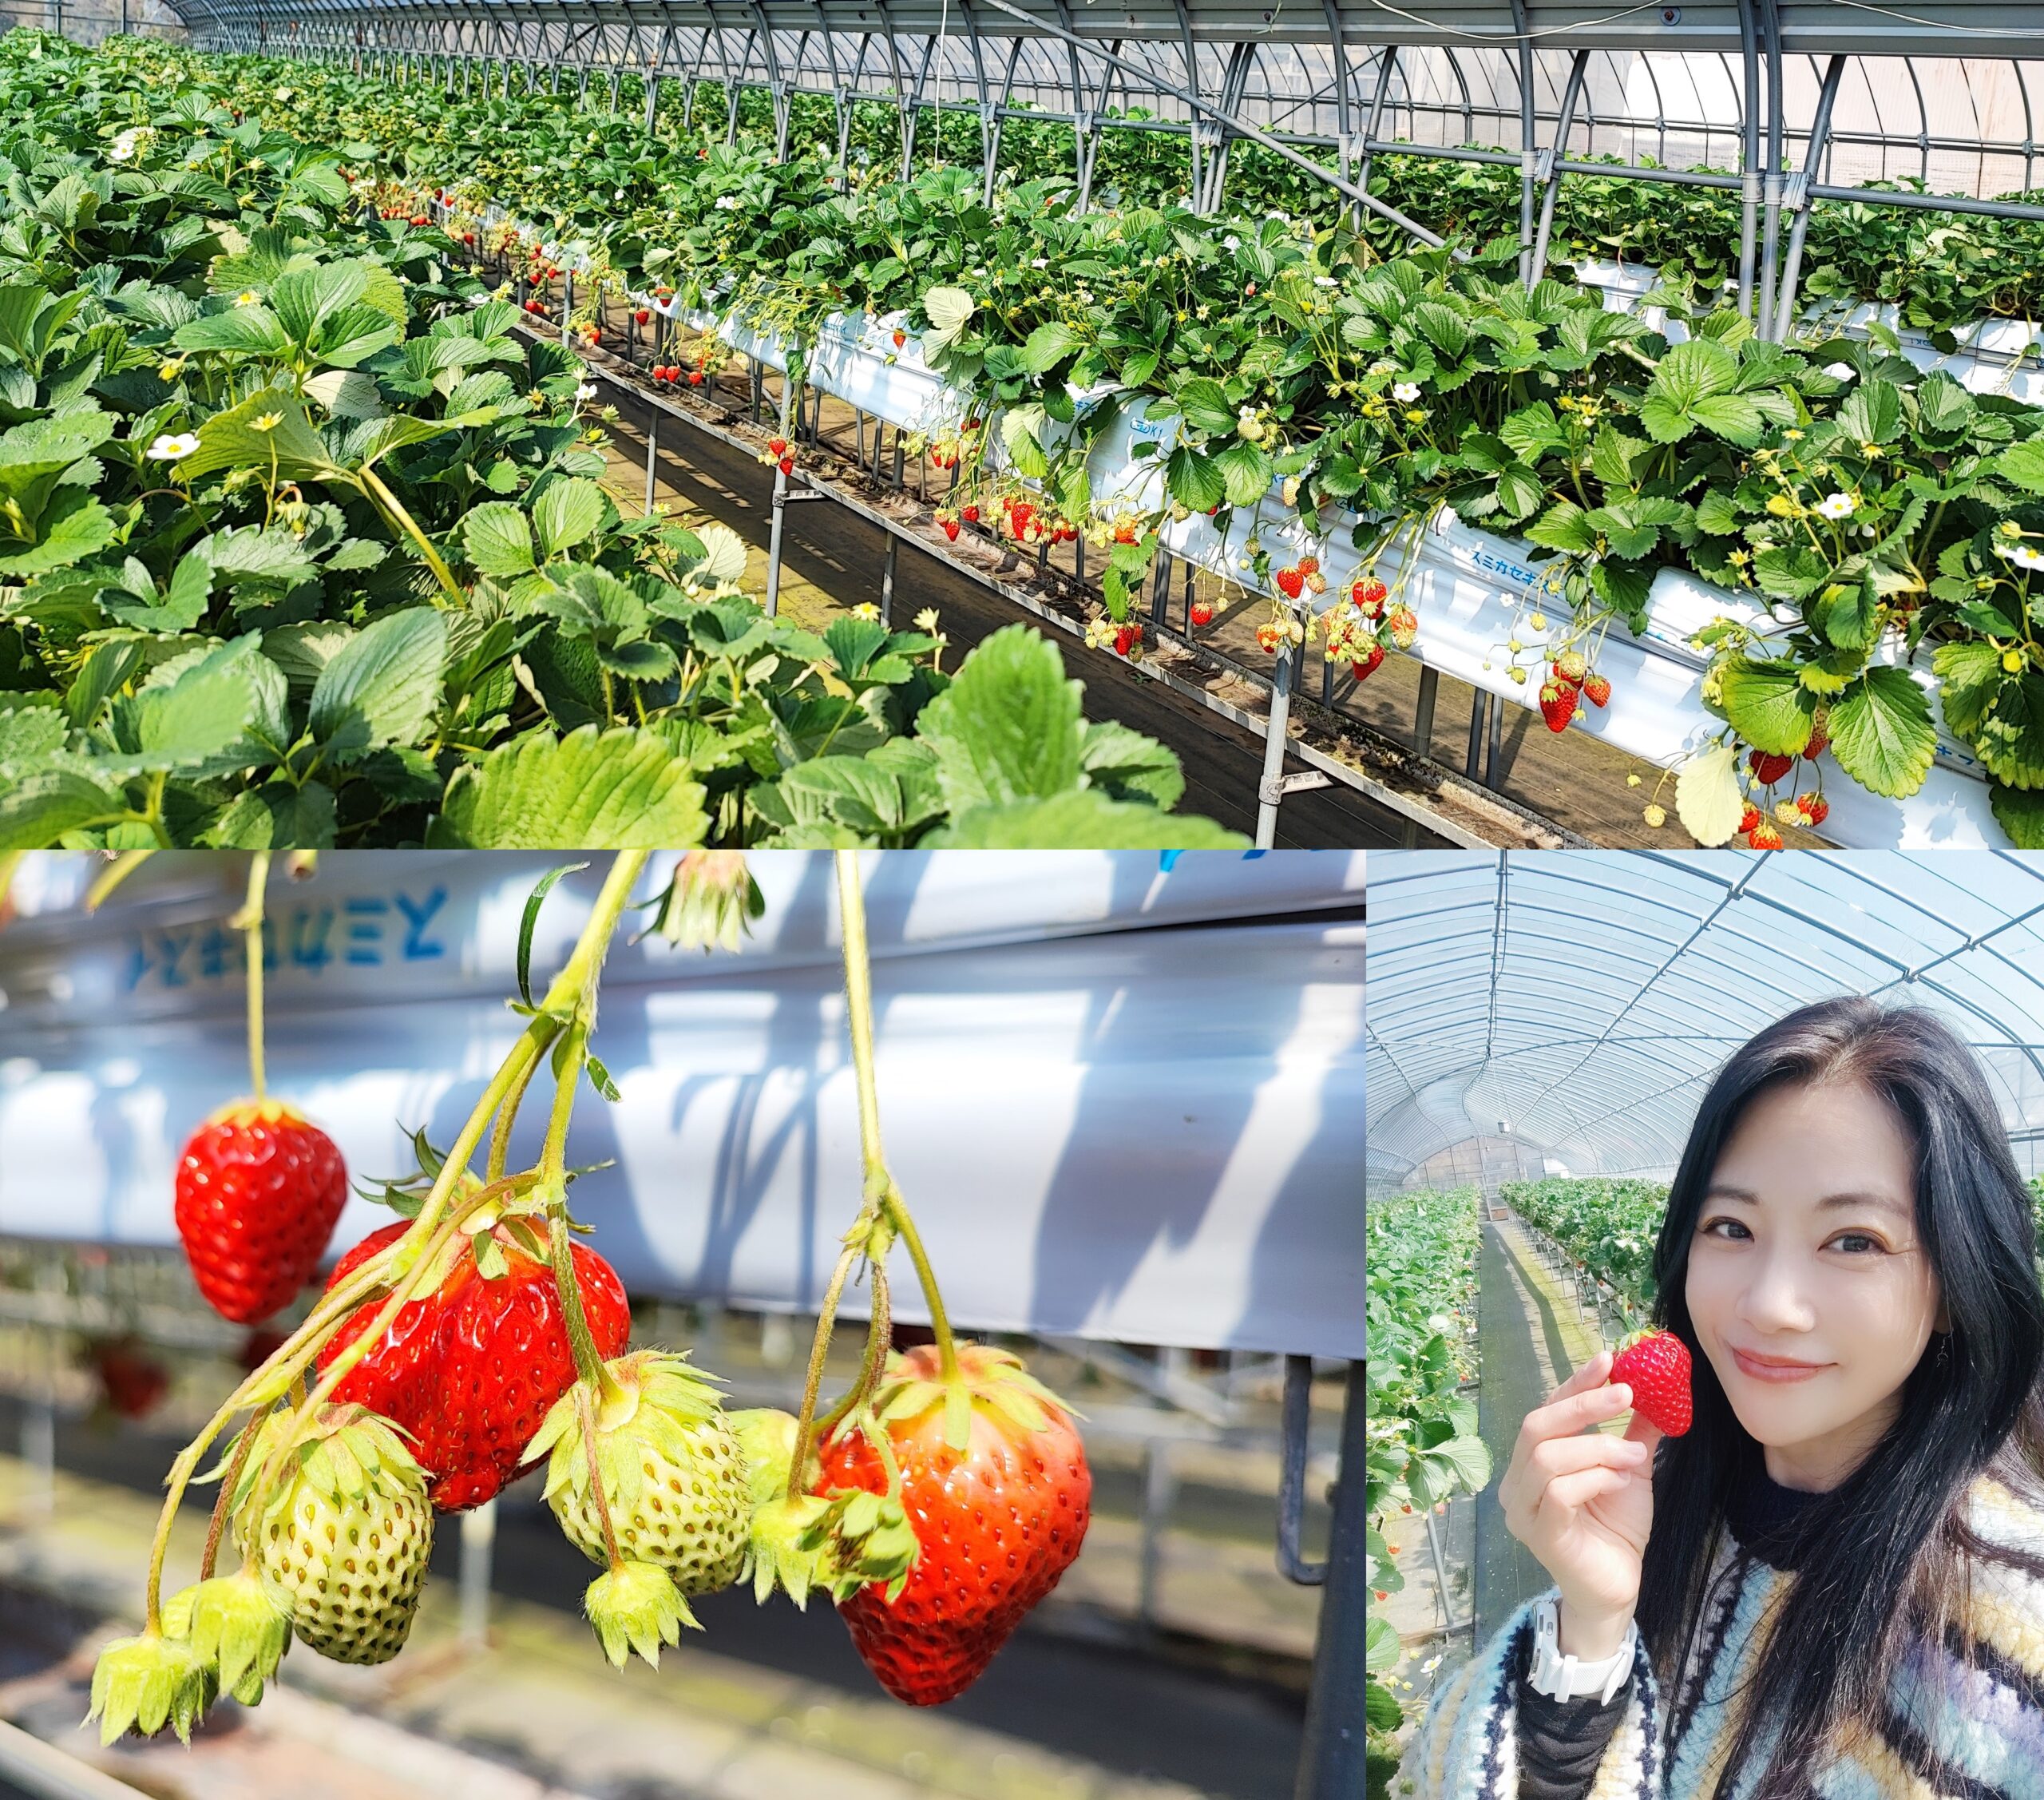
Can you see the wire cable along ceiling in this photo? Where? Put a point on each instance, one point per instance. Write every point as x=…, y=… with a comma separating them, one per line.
x=1564, y=1013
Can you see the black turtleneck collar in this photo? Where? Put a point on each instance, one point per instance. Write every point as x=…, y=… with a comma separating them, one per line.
x=1766, y=1518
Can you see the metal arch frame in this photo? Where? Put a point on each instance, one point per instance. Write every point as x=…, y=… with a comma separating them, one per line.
x=1994, y=1031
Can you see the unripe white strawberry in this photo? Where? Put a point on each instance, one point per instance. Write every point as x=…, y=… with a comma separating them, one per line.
x=674, y=1477
x=341, y=1541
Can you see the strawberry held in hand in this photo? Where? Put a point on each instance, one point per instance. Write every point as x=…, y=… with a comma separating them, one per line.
x=1655, y=1364
x=259, y=1189
x=471, y=1370
x=995, y=1483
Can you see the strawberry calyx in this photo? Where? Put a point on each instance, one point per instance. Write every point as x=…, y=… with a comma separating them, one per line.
x=250, y=1111
x=652, y=1400
x=636, y=1606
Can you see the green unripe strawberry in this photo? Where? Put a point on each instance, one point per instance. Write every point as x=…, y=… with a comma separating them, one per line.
x=341, y=1541
x=675, y=1480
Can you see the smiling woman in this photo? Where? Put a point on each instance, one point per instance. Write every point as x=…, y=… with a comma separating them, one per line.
x=1829, y=1581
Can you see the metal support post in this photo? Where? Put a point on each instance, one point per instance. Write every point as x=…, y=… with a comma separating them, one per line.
x=1270, y=790
x=1479, y=709
x=652, y=450
x=1423, y=717
x=780, y=505
x=478, y=1540
x=1331, y=1764
x=1159, y=1488
x=887, y=582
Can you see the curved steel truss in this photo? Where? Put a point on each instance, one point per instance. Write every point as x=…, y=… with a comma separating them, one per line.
x=1783, y=104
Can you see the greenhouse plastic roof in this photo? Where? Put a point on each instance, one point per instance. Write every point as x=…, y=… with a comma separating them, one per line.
x=1578, y=1003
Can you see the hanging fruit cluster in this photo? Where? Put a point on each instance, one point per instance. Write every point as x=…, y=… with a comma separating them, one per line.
x=936, y=1502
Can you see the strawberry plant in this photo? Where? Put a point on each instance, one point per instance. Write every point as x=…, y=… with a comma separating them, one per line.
x=1606, y=1226
x=1422, y=1445
x=302, y=543
x=937, y=1501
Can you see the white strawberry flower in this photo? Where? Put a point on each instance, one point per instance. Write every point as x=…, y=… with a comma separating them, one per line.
x=173, y=445
x=1836, y=506
x=1406, y=391
x=586, y=391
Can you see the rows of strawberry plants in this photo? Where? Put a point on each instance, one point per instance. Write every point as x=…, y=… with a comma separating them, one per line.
x=1607, y=1226
x=935, y=1502
x=303, y=542
x=1865, y=513
x=1421, y=1441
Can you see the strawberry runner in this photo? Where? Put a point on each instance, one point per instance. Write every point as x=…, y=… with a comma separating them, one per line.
x=1977, y=1705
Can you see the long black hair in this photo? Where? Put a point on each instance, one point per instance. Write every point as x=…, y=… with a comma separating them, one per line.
x=1884, y=1557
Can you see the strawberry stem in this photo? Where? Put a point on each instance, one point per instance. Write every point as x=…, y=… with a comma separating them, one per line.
x=589, y=1365
x=228, y=1482
x=859, y=1006
x=585, y=1408
x=879, y=1339
x=818, y=1349
x=251, y=925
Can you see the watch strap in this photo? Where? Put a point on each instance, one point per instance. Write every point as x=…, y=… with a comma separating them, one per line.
x=1568, y=1678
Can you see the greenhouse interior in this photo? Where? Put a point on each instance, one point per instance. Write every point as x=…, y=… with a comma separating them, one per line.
x=1543, y=1030
x=1496, y=425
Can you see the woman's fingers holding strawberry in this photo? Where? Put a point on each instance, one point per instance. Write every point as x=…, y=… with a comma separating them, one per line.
x=1596, y=1449
x=1569, y=1492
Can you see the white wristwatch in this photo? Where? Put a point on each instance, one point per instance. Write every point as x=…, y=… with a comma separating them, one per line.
x=1567, y=1678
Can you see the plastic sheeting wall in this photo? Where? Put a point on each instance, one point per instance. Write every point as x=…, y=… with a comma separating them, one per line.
x=1123, y=1093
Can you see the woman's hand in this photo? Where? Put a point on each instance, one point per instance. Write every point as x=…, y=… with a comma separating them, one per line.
x=1583, y=1502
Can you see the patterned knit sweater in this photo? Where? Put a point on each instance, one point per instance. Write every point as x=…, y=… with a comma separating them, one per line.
x=1985, y=1713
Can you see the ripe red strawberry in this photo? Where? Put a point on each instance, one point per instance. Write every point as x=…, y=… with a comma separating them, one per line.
x=1268, y=637
x=471, y=1369
x=1570, y=667
x=787, y=466
x=643, y=315
x=1597, y=689
x=1369, y=596
x=777, y=446
x=1814, y=808
x=1124, y=641
x=998, y=1521
x=901, y=338
x=950, y=529
x=420, y=219
x=1763, y=836
x=970, y=513
x=1819, y=743
x=1202, y=613
x=1290, y=583
x=1655, y=1364
x=1367, y=664
x=1767, y=769
x=695, y=378
x=1557, y=704
x=259, y=1189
